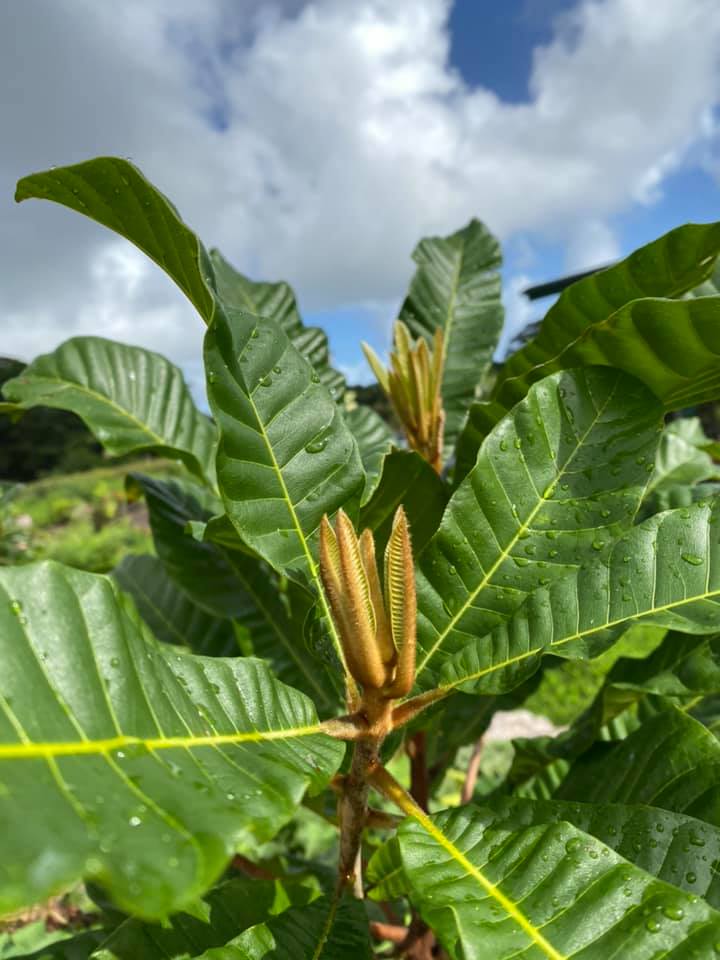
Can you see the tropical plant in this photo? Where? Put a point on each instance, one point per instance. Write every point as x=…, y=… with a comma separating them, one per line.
x=205, y=735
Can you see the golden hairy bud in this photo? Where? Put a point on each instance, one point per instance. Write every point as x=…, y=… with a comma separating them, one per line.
x=377, y=631
x=413, y=382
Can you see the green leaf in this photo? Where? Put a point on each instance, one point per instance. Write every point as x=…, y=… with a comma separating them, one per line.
x=671, y=762
x=229, y=582
x=114, y=193
x=667, y=845
x=232, y=907
x=374, y=439
x=680, y=460
x=457, y=287
x=169, y=612
x=489, y=889
x=286, y=455
x=666, y=571
x=131, y=399
x=609, y=317
x=535, y=506
x=277, y=301
x=323, y=930
x=130, y=763
x=683, y=666
x=409, y=480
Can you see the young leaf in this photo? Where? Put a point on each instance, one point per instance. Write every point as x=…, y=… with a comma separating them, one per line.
x=286, y=455
x=535, y=506
x=323, y=930
x=130, y=763
x=133, y=400
x=277, y=301
x=457, y=287
x=170, y=613
x=493, y=889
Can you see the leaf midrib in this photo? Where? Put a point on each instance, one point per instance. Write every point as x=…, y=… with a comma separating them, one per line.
x=30, y=750
x=298, y=529
x=491, y=889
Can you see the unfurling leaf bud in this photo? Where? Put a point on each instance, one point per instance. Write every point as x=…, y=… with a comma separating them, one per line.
x=413, y=382
x=377, y=634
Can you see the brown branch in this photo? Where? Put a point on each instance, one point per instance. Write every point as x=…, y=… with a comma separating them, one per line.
x=472, y=773
x=352, y=813
x=416, y=748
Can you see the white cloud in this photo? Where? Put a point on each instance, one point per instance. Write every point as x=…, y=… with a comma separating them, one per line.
x=346, y=137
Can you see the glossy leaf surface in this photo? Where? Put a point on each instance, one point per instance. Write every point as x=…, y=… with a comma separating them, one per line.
x=490, y=888
x=666, y=571
x=535, y=506
x=128, y=762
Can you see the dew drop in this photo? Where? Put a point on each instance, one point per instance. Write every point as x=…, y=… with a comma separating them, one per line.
x=573, y=845
x=317, y=445
x=134, y=821
x=690, y=877
x=653, y=924
x=503, y=445
x=692, y=558
x=673, y=913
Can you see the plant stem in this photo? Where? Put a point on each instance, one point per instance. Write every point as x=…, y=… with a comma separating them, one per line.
x=352, y=813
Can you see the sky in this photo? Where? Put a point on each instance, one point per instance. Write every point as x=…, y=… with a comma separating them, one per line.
x=316, y=142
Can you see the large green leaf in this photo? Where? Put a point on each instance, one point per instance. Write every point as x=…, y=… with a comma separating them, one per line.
x=535, y=505
x=671, y=762
x=457, y=287
x=229, y=582
x=286, y=455
x=131, y=399
x=666, y=571
x=324, y=930
x=232, y=907
x=670, y=846
x=114, y=193
x=490, y=888
x=606, y=311
x=277, y=301
x=406, y=479
x=169, y=612
x=131, y=763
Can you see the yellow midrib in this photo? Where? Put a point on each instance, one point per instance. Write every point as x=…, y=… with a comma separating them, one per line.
x=300, y=535
x=488, y=886
x=608, y=625
x=24, y=751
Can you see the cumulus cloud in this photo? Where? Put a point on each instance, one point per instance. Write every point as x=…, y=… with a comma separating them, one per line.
x=317, y=141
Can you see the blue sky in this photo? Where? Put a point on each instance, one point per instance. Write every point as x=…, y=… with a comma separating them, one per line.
x=318, y=141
